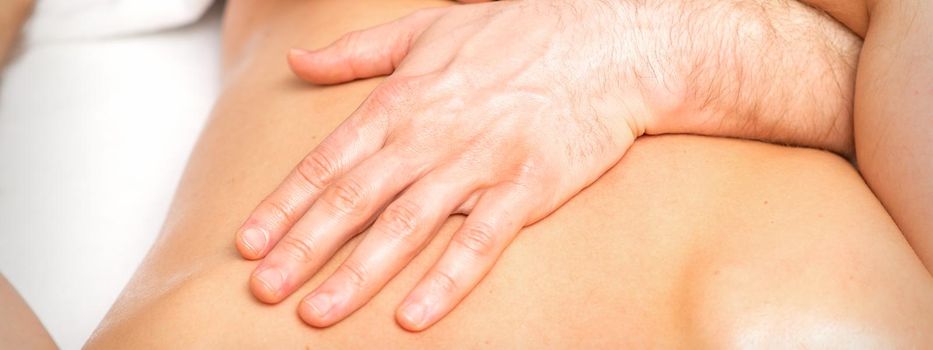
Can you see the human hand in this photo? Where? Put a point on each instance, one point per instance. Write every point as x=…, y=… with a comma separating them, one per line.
x=503, y=111
x=504, y=128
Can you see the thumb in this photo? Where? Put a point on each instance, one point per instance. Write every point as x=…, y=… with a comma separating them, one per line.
x=362, y=54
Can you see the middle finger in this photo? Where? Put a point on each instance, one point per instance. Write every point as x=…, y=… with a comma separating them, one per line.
x=396, y=237
x=341, y=212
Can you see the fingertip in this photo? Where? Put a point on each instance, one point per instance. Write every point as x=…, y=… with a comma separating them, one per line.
x=298, y=62
x=252, y=242
x=322, y=67
x=412, y=317
x=297, y=52
x=245, y=251
x=241, y=247
x=266, y=285
x=315, y=309
x=306, y=315
x=296, y=58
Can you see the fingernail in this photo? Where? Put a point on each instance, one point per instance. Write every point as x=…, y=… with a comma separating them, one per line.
x=320, y=304
x=272, y=279
x=298, y=52
x=414, y=313
x=255, y=240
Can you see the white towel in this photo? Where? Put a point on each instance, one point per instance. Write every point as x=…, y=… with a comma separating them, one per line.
x=57, y=20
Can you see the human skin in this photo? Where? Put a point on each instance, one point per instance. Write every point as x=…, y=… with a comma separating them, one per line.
x=893, y=116
x=13, y=14
x=687, y=242
x=19, y=327
x=422, y=145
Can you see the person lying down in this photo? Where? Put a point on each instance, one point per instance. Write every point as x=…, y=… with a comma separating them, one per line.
x=553, y=174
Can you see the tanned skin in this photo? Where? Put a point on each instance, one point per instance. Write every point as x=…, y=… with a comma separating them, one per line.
x=19, y=327
x=13, y=14
x=750, y=69
x=893, y=108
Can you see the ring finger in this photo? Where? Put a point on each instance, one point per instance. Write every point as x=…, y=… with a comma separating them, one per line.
x=395, y=238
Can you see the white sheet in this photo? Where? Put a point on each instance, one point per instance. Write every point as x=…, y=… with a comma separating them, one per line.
x=57, y=20
x=93, y=139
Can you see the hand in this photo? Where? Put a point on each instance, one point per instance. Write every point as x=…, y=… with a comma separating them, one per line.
x=473, y=120
x=503, y=111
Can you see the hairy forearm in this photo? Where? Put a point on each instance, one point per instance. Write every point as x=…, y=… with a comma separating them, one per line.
x=770, y=70
x=780, y=71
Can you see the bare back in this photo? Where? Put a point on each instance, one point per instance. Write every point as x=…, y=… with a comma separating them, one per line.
x=688, y=241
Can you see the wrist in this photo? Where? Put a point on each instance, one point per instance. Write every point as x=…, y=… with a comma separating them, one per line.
x=641, y=52
x=775, y=71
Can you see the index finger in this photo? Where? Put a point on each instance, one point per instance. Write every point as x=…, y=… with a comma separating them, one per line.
x=348, y=145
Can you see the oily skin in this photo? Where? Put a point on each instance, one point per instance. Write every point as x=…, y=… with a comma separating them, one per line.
x=687, y=242
x=893, y=109
x=442, y=164
x=417, y=150
x=653, y=262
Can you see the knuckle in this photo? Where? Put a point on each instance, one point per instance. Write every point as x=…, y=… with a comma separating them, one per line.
x=318, y=168
x=400, y=220
x=365, y=119
x=381, y=101
x=453, y=76
x=299, y=249
x=349, y=41
x=478, y=238
x=277, y=210
x=531, y=170
x=531, y=178
x=356, y=273
x=347, y=197
x=391, y=96
x=443, y=281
